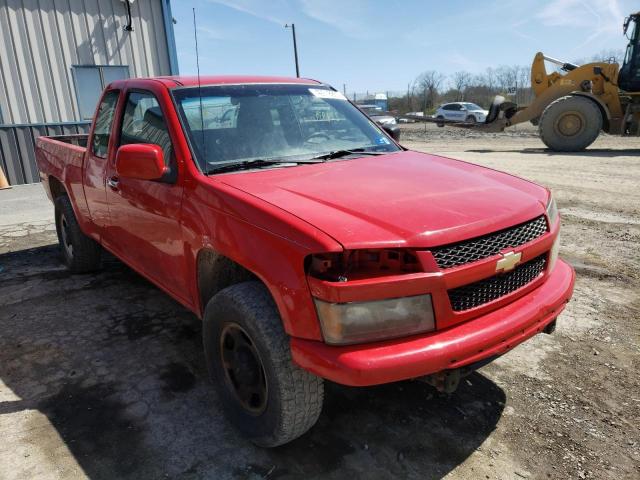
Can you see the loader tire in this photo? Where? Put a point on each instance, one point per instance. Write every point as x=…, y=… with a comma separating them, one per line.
x=265, y=395
x=80, y=253
x=570, y=124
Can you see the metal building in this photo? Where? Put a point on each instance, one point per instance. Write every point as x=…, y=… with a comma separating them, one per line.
x=57, y=55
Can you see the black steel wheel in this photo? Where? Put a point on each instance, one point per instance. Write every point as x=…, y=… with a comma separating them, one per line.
x=243, y=369
x=80, y=253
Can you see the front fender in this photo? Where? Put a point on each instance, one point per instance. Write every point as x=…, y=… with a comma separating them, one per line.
x=269, y=242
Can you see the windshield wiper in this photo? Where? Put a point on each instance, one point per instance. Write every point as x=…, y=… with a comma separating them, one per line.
x=344, y=153
x=256, y=162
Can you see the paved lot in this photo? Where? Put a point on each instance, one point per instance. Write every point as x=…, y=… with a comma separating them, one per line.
x=102, y=376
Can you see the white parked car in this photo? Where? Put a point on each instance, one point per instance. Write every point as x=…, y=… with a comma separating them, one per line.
x=461, y=112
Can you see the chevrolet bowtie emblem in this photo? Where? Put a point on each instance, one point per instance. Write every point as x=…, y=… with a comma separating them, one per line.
x=508, y=261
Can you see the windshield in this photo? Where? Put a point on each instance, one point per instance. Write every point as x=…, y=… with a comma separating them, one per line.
x=472, y=106
x=240, y=123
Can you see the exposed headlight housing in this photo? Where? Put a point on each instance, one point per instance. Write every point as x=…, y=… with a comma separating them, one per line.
x=357, y=322
x=358, y=264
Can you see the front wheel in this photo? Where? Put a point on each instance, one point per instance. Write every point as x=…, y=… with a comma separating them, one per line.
x=80, y=253
x=471, y=119
x=570, y=124
x=268, y=398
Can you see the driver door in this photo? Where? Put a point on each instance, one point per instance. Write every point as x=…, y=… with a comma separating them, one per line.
x=144, y=215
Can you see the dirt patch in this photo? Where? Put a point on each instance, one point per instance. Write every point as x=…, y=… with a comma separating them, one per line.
x=102, y=375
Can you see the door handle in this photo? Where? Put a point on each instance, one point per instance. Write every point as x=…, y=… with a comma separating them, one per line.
x=113, y=183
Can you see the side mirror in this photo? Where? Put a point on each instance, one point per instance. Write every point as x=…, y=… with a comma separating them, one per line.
x=143, y=161
x=393, y=131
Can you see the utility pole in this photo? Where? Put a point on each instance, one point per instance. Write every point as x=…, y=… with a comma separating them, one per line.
x=344, y=89
x=295, y=47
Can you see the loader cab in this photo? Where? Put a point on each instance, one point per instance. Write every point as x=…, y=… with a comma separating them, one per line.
x=629, y=77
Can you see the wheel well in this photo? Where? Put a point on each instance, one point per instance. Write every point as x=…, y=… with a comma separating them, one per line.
x=215, y=272
x=56, y=188
x=603, y=109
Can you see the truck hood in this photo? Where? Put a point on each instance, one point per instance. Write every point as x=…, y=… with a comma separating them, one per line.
x=404, y=199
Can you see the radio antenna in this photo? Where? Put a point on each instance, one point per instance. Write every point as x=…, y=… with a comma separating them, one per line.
x=195, y=34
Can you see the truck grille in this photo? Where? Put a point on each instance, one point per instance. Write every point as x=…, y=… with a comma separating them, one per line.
x=484, y=291
x=487, y=245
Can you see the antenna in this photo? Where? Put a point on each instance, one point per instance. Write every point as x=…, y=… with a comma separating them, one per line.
x=195, y=34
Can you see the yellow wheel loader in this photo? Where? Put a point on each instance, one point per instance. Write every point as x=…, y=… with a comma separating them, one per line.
x=571, y=107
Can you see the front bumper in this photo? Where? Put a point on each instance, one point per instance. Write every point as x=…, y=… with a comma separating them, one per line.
x=474, y=340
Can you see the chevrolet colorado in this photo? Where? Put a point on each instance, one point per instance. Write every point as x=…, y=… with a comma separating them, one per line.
x=309, y=241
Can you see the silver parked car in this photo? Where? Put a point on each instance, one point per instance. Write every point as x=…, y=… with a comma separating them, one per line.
x=461, y=112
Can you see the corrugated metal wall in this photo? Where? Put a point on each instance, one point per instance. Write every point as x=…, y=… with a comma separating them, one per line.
x=17, y=153
x=41, y=39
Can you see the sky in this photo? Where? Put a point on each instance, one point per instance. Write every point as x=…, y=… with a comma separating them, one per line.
x=381, y=45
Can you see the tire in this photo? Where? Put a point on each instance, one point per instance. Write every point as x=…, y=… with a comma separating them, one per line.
x=80, y=253
x=243, y=329
x=470, y=119
x=570, y=124
x=440, y=117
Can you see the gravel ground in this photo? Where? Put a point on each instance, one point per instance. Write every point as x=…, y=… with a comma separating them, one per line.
x=102, y=376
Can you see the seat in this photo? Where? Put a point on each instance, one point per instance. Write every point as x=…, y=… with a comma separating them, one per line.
x=257, y=135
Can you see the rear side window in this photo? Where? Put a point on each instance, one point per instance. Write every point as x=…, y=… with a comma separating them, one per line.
x=104, y=119
x=143, y=122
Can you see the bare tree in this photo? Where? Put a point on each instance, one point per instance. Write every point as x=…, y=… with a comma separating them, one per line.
x=489, y=78
x=411, y=93
x=429, y=83
x=461, y=80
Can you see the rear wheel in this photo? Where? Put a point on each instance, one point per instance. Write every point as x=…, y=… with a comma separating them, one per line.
x=80, y=253
x=268, y=398
x=570, y=124
x=440, y=124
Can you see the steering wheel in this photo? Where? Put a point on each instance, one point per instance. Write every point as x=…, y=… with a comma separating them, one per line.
x=317, y=135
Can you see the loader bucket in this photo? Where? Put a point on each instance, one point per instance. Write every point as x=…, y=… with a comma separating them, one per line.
x=499, y=113
x=500, y=104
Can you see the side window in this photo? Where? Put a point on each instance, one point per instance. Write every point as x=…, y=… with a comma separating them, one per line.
x=102, y=129
x=143, y=122
x=448, y=107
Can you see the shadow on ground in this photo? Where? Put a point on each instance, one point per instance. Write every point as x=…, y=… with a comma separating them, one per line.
x=591, y=152
x=116, y=367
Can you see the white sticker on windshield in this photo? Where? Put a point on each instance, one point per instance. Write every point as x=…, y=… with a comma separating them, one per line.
x=322, y=93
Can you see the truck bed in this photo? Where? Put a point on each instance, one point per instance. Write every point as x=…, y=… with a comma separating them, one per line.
x=56, y=154
x=61, y=156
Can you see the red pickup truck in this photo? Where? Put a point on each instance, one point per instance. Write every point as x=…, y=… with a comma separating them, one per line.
x=310, y=242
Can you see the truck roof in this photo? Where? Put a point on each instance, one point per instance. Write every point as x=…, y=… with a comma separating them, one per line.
x=192, y=80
